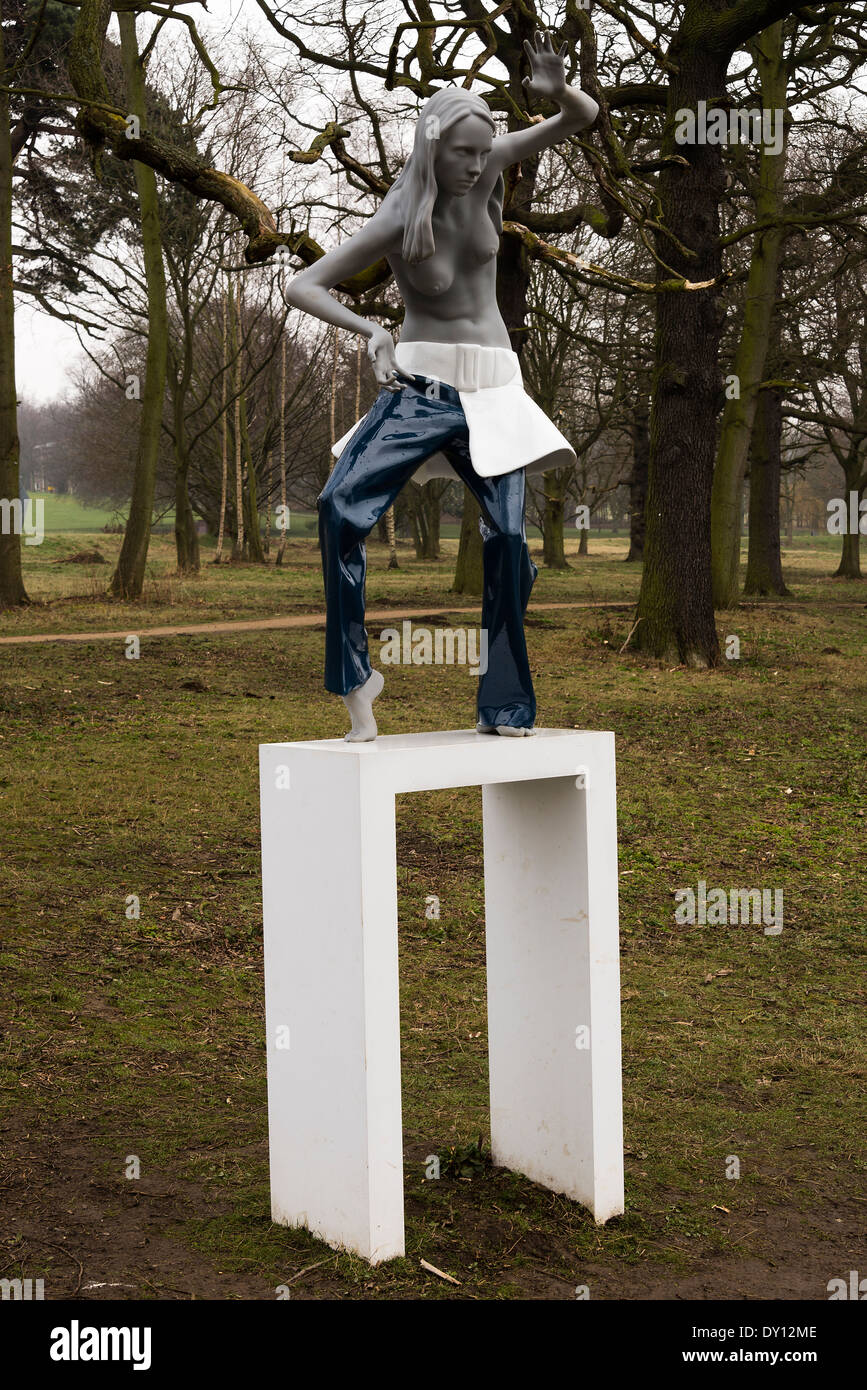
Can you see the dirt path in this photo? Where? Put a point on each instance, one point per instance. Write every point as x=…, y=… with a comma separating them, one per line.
x=376, y=615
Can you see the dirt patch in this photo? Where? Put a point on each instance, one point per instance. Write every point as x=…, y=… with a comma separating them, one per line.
x=92, y=1235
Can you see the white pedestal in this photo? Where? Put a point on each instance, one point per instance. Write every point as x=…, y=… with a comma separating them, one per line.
x=331, y=969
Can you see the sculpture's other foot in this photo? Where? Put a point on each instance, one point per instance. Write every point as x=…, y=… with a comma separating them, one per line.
x=359, y=702
x=507, y=729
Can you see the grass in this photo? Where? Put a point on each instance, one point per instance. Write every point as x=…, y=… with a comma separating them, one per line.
x=118, y=780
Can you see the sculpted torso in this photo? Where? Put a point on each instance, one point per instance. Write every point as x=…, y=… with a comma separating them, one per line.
x=452, y=296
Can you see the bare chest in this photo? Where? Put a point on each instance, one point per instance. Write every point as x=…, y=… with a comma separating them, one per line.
x=464, y=249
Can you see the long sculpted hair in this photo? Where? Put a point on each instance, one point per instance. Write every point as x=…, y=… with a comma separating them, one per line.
x=440, y=112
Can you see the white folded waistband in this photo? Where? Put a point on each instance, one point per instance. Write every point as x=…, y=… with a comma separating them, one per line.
x=464, y=366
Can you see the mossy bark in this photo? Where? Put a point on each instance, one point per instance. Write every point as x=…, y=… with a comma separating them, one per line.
x=469, y=569
x=127, y=581
x=764, y=563
x=739, y=415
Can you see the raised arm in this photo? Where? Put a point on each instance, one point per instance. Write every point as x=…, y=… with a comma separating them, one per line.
x=577, y=110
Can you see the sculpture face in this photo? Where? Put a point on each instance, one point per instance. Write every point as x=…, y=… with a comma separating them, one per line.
x=461, y=155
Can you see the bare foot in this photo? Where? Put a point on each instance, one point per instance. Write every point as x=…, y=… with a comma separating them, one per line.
x=359, y=702
x=507, y=729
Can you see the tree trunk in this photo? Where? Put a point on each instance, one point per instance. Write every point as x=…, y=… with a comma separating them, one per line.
x=12, y=591
x=251, y=498
x=332, y=417
x=469, y=569
x=749, y=363
x=850, y=558
x=554, y=484
x=675, y=605
x=424, y=504
x=128, y=579
x=186, y=535
x=239, y=549
x=764, y=564
x=218, y=554
x=281, y=549
x=583, y=547
x=391, y=536
x=638, y=480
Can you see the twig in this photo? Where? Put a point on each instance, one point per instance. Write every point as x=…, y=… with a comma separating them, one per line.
x=629, y=638
x=307, y=1269
x=40, y=1240
x=432, y=1269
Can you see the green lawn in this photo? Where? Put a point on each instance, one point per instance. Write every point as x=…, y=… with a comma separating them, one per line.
x=146, y=1037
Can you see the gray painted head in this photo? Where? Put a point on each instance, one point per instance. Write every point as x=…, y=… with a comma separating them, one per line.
x=418, y=178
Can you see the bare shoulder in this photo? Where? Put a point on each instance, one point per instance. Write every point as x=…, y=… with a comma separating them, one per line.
x=383, y=230
x=390, y=215
x=378, y=237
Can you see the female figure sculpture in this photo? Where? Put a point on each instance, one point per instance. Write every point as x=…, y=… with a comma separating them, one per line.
x=451, y=398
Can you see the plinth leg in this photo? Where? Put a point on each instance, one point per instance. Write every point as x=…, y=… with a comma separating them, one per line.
x=554, y=983
x=331, y=1001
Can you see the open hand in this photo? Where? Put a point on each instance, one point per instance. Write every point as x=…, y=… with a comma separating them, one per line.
x=548, y=71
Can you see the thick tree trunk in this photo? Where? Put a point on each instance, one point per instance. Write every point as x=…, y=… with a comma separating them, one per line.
x=764, y=564
x=469, y=569
x=583, y=543
x=12, y=591
x=128, y=579
x=638, y=480
x=675, y=605
x=554, y=484
x=850, y=557
x=749, y=363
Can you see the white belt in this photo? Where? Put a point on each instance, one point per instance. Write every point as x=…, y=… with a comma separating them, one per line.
x=464, y=366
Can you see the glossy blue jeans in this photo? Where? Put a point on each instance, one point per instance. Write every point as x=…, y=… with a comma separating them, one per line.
x=399, y=432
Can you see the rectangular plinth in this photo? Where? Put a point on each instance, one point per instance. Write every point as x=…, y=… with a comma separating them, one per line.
x=331, y=969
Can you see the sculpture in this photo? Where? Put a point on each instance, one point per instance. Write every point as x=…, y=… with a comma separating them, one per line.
x=451, y=399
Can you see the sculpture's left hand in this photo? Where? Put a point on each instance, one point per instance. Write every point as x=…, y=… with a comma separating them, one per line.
x=548, y=71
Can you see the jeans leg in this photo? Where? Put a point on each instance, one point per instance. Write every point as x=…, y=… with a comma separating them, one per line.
x=398, y=433
x=505, y=694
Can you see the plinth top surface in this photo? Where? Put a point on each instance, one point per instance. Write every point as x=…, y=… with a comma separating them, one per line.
x=430, y=742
